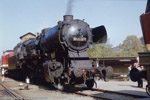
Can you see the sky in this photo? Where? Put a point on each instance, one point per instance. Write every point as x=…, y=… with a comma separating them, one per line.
x=120, y=17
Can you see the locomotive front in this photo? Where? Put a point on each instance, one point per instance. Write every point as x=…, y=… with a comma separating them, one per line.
x=76, y=34
x=67, y=43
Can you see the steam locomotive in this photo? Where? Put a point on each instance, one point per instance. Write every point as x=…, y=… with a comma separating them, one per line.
x=59, y=54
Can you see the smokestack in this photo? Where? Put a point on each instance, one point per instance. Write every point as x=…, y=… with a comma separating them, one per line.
x=68, y=18
x=70, y=7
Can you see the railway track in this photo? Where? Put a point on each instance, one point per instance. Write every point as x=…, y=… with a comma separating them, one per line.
x=83, y=91
x=109, y=95
x=11, y=94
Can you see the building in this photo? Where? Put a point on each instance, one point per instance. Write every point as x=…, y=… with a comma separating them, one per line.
x=27, y=36
x=119, y=64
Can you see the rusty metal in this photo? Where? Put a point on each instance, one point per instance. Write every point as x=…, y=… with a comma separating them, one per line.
x=145, y=23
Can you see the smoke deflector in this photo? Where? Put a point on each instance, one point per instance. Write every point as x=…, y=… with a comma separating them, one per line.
x=99, y=34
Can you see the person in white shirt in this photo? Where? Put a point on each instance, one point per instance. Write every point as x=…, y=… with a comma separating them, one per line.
x=129, y=69
x=3, y=72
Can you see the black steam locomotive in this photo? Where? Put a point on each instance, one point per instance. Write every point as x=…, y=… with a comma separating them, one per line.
x=58, y=55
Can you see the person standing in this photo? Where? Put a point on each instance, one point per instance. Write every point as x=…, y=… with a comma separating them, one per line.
x=3, y=73
x=140, y=81
x=140, y=68
x=129, y=69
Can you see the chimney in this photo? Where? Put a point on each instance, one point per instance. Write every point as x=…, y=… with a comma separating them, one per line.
x=68, y=18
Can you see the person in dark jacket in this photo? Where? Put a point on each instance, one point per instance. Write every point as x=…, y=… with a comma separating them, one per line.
x=140, y=68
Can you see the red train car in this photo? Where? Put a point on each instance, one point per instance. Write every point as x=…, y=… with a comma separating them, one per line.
x=5, y=56
x=145, y=24
x=145, y=56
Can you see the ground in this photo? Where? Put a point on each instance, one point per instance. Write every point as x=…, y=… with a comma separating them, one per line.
x=36, y=92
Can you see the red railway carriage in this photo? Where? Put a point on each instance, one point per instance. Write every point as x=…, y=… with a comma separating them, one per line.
x=5, y=56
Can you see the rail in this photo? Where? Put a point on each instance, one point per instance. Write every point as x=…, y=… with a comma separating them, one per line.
x=110, y=92
x=12, y=93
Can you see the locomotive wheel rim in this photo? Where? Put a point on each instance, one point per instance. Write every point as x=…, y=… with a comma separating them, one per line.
x=147, y=90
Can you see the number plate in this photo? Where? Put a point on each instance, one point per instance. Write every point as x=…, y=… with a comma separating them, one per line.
x=79, y=39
